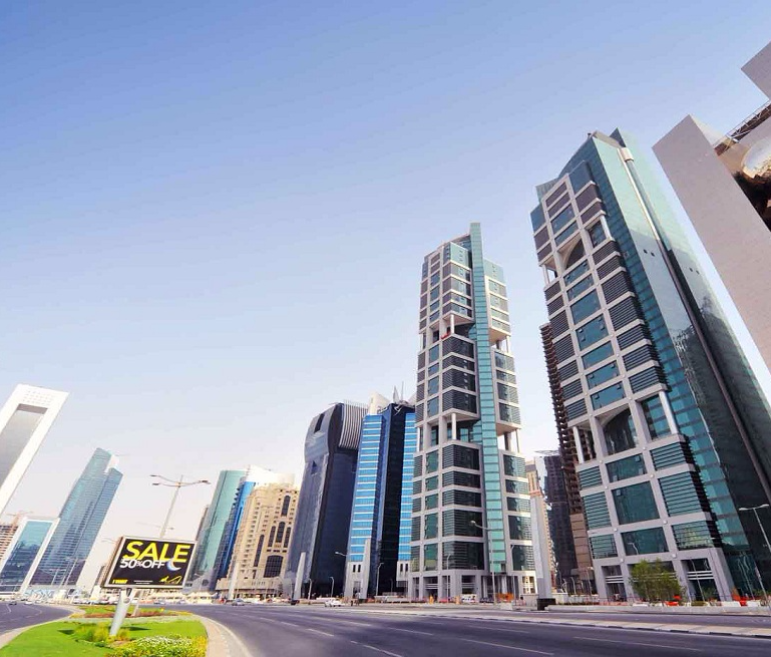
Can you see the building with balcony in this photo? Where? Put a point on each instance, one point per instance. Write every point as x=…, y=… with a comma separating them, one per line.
x=471, y=531
x=671, y=433
x=258, y=563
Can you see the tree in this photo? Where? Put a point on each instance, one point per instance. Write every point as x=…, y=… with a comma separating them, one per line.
x=655, y=581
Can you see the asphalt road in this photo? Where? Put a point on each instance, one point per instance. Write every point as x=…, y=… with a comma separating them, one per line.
x=282, y=631
x=21, y=615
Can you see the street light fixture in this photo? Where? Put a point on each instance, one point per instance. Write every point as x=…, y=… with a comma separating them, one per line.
x=754, y=510
x=492, y=572
x=176, y=484
x=377, y=579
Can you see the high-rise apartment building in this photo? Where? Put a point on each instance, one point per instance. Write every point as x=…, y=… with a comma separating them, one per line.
x=24, y=553
x=24, y=422
x=212, y=528
x=723, y=181
x=320, y=537
x=377, y=558
x=471, y=506
x=670, y=430
x=259, y=555
x=255, y=476
x=80, y=520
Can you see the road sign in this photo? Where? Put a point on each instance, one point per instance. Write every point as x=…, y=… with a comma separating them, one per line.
x=150, y=563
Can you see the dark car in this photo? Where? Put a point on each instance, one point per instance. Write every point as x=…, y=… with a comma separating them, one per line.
x=13, y=602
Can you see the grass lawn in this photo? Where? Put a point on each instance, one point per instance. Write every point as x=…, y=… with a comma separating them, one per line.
x=54, y=640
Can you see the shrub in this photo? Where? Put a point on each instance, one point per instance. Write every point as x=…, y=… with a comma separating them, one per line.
x=98, y=634
x=162, y=646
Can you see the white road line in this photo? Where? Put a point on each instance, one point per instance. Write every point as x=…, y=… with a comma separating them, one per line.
x=501, y=645
x=385, y=652
x=630, y=643
x=310, y=629
x=399, y=629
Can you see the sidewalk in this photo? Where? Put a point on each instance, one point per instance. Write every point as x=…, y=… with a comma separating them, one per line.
x=222, y=641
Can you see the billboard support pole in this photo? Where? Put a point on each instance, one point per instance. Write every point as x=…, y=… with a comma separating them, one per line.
x=120, y=611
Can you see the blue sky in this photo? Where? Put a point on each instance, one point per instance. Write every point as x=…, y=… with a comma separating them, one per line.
x=215, y=213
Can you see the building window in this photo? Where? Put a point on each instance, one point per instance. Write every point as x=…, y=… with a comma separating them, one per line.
x=456, y=522
x=433, y=386
x=591, y=332
x=520, y=528
x=632, y=466
x=285, y=505
x=272, y=534
x=433, y=353
x=601, y=375
x=608, y=396
x=575, y=255
x=432, y=483
x=644, y=541
x=280, y=532
x=432, y=461
x=619, y=433
x=432, y=408
x=273, y=566
x=653, y=410
x=513, y=466
x=597, y=233
x=258, y=554
x=635, y=503
x=603, y=546
x=286, y=537
x=522, y=557
x=430, y=553
x=431, y=525
x=596, y=355
x=432, y=501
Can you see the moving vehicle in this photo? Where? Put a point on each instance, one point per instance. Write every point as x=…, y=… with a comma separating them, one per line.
x=238, y=602
x=333, y=603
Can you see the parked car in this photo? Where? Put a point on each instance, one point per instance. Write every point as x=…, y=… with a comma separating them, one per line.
x=333, y=603
x=13, y=602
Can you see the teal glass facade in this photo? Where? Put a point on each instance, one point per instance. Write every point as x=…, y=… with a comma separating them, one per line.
x=679, y=376
x=23, y=553
x=80, y=520
x=213, y=527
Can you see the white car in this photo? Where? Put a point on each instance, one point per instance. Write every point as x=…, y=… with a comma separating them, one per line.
x=333, y=603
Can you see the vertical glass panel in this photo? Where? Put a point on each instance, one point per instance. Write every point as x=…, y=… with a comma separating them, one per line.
x=653, y=410
x=635, y=503
x=596, y=355
x=581, y=309
x=644, y=541
x=16, y=434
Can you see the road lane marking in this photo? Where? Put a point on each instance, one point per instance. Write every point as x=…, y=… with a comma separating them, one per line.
x=631, y=643
x=502, y=645
x=310, y=629
x=385, y=652
x=399, y=629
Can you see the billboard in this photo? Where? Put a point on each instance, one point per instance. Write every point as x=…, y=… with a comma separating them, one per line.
x=151, y=563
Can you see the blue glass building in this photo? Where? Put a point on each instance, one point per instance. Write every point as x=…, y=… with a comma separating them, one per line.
x=378, y=544
x=213, y=527
x=24, y=553
x=81, y=519
x=672, y=433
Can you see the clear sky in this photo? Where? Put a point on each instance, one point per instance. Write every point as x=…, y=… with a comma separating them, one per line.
x=214, y=213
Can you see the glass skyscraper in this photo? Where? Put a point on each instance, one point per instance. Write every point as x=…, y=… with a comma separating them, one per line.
x=378, y=544
x=672, y=434
x=24, y=553
x=81, y=519
x=471, y=508
x=213, y=527
x=320, y=536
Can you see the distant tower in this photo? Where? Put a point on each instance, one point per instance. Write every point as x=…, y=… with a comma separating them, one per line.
x=81, y=519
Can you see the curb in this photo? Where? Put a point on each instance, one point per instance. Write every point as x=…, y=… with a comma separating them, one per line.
x=222, y=641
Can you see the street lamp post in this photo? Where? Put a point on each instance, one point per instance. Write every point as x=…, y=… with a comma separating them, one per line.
x=492, y=571
x=176, y=484
x=377, y=579
x=333, y=586
x=754, y=509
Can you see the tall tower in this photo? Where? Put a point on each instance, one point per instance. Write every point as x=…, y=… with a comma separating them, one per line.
x=213, y=527
x=471, y=508
x=672, y=434
x=24, y=422
x=320, y=536
x=382, y=500
x=81, y=519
